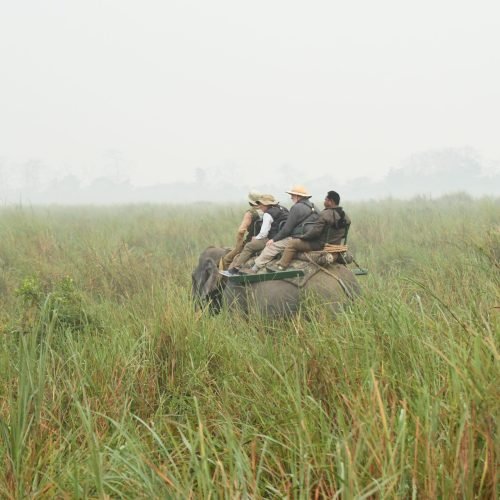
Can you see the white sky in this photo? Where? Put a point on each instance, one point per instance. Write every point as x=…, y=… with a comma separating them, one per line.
x=160, y=88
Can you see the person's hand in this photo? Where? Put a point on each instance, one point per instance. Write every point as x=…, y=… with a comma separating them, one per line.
x=269, y=243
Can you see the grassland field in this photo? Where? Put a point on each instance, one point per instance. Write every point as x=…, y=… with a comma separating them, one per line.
x=113, y=386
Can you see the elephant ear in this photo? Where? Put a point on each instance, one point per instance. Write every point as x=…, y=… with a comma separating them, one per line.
x=205, y=278
x=209, y=278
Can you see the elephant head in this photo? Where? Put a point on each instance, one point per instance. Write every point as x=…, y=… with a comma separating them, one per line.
x=206, y=284
x=333, y=285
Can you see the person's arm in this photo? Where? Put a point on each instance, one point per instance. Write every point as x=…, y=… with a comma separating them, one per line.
x=245, y=223
x=267, y=220
x=297, y=213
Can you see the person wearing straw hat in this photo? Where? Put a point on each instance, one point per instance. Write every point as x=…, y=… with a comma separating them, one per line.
x=249, y=225
x=330, y=228
x=302, y=213
x=274, y=216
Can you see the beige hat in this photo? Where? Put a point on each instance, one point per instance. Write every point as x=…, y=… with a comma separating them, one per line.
x=299, y=190
x=267, y=199
x=253, y=198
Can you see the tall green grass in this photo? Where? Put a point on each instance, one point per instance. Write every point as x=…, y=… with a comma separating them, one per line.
x=112, y=385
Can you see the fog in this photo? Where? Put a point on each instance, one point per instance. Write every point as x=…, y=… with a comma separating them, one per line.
x=430, y=174
x=124, y=101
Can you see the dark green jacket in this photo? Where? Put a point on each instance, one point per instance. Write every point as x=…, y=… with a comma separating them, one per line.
x=329, y=228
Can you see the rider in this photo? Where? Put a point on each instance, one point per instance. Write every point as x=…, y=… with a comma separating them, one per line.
x=274, y=216
x=301, y=213
x=249, y=226
x=330, y=228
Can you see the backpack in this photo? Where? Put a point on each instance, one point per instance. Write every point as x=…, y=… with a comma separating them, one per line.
x=255, y=225
x=341, y=223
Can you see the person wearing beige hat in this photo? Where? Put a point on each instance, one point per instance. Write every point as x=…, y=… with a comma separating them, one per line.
x=330, y=228
x=248, y=227
x=302, y=213
x=274, y=216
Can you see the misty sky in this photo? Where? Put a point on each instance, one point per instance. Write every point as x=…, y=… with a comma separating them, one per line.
x=153, y=90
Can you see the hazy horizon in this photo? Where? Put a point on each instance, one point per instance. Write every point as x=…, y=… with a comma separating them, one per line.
x=157, y=92
x=429, y=174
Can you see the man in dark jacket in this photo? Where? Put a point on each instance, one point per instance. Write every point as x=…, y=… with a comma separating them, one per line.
x=330, y=228
x=301, y=214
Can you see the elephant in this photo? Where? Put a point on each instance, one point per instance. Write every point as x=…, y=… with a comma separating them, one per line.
x=333, y=285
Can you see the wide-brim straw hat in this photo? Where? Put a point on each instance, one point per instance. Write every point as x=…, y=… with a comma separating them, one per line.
x=268, y=199
x=253, y=198
x=299, y=190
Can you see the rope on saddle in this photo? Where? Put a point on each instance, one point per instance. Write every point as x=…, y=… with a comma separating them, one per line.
x=340, y=251
x=341, y=283
x=335, y=248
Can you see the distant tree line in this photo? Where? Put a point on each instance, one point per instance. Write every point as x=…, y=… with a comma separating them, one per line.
x=432, y=173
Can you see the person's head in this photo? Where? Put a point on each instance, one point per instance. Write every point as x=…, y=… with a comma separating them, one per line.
x=332, y=199
x=266, y=201
x=298, y=193
x=253, y=198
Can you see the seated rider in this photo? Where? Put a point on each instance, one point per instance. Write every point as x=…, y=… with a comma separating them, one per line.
x=249, y=226
x=274, y=216
x=330, y=228
x=301, y=213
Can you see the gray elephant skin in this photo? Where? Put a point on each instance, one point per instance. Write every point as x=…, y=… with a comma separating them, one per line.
x=271, y=298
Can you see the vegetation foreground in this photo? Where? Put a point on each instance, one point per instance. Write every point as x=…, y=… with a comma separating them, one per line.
x=112, y=385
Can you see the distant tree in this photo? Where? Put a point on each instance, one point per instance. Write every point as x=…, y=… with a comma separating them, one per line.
x=4, y=181
x=115, y=166
x=200, y=176
x=461, y=161
x=32, y=175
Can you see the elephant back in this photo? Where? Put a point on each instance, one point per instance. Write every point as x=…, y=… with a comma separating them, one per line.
x=269, y=298
x=332, y=284
x=335, y=282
